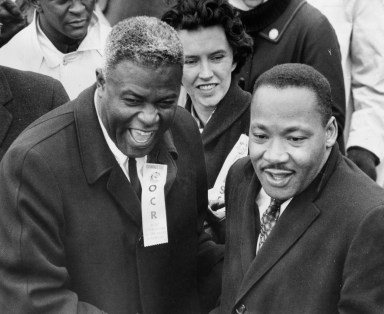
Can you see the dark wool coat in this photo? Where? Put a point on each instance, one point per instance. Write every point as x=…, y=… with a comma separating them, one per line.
x=325, y=254
x=292, y=31
x=228, y=122
x=71, y=230
x=24, y=97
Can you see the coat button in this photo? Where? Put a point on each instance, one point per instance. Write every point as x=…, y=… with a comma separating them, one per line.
x=241, y=309
x=273, y=33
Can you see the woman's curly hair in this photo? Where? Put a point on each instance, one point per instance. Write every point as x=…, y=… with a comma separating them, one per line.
x=192, y=14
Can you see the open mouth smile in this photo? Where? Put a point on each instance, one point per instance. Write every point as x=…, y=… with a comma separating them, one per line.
x=207, y=87
x=141, y=137
x=278, y=177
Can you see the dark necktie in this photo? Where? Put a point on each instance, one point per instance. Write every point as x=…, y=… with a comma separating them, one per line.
x=269, y=219
x=133, y=177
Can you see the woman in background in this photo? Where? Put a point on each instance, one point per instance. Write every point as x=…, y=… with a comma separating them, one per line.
x=215, y=47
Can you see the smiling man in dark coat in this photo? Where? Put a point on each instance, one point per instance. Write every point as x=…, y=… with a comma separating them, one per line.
x=24, y=97
x=305, y=226
x=72, y=235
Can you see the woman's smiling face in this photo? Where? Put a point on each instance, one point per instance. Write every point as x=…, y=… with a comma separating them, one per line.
x=208, y=64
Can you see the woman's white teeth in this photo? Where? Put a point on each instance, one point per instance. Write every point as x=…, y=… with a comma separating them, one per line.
x=209, y=86
x=141, y=136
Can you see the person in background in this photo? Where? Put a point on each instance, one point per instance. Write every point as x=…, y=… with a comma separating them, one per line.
x=24, y=97
x=215, y=47
x=102, y=200
x=292, y=31
x=117, y=10
x=65, y=41
x=305, y=226
x=11, y=20
x=360, y=30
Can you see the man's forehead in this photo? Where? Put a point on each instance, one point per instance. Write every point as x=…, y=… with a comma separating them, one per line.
x=283, y=98
x=291, y=106
x=143, y=80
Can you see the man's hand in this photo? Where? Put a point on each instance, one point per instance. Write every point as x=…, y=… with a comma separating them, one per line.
x=364, y=159
x=217, y=209
x=11, y=19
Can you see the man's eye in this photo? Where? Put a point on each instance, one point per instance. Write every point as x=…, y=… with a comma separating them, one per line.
x=131, y=101
x=295, y=139
x=166, y=104
x=260, y=137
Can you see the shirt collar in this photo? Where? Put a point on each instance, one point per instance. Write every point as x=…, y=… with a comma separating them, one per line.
x=263, y=200
x=197, y=119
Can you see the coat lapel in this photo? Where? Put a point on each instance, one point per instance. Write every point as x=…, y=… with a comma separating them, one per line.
x=98, y=160
x=228, y=111
x=122, y=191
x=5, y=97
x=250, y=224
x=165, y=153
x=293, y=223
x=296, y=219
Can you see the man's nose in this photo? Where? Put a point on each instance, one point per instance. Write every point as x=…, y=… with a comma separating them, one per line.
x=276, y=152
x=149, y=115
x=76, y=6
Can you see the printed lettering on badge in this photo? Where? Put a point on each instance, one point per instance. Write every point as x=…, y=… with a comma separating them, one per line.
x=155, y=229
x=216, y=194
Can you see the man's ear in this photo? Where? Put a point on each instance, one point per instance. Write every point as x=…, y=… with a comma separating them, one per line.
x=100, y=78
x=331, y=132
x=36, y=4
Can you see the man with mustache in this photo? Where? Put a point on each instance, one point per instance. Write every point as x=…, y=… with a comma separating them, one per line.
x=102, y=200
x=65, y=40
x=305, y=225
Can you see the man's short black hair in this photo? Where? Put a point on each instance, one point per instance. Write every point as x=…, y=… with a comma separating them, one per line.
x=300, y=75
x=192, y=14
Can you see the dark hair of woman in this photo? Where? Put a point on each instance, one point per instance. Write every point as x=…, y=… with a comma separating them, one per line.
x=193, y=14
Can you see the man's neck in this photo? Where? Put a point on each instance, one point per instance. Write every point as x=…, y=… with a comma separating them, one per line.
x=203, y=112
x=61, y=42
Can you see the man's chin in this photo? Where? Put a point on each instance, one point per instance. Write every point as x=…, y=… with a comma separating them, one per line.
x=280, y=193
x=137, y=151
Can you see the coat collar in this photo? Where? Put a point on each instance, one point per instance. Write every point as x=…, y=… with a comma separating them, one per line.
x=98, y=161
x=272, y=18
x=229, y=109
x=5, y=97
x=294, y=222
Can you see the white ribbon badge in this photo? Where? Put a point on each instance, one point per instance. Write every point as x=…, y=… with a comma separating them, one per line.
x=155, y=229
